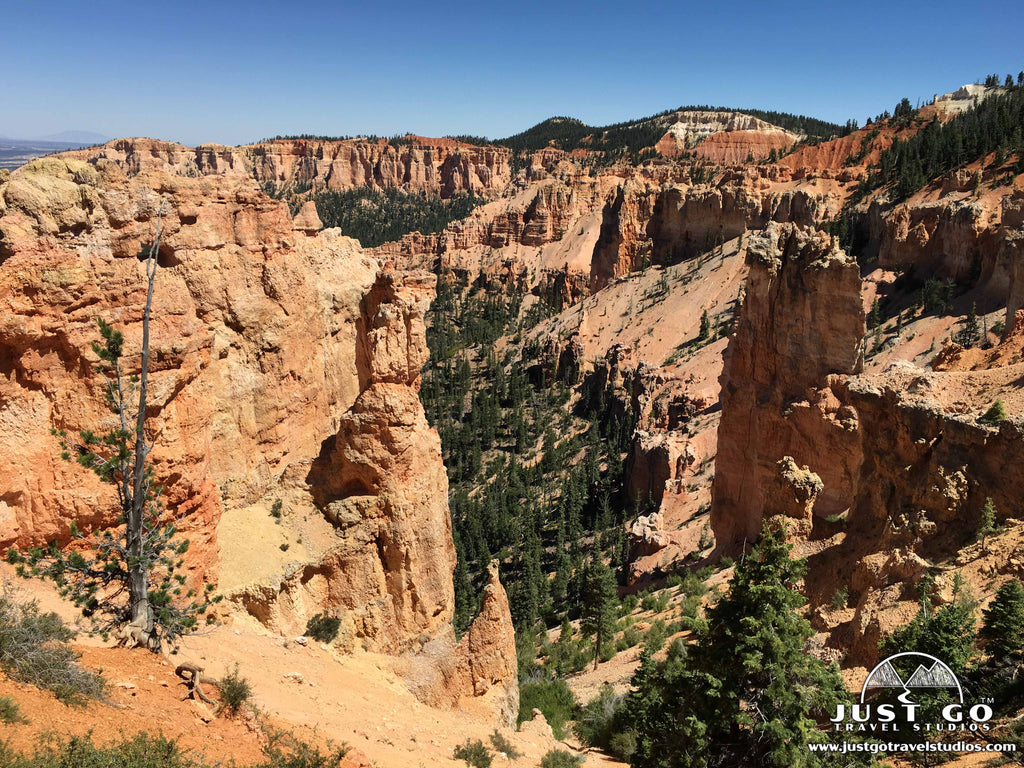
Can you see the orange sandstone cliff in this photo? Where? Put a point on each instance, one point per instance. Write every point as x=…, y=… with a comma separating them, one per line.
x=284, y=395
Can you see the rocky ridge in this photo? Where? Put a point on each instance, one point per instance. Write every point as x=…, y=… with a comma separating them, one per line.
x=285, y=363
x=433, y=166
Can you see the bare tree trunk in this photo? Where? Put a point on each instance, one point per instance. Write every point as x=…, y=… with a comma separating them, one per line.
x=138, y=571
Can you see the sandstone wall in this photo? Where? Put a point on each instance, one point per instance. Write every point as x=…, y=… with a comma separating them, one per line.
x=280, y=358
x=433, y=166
x=802, y=320
x=252, y=341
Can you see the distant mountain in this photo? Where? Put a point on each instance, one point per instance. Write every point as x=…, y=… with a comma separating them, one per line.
x=17, y=152
x=568, y=133
x=76, y=137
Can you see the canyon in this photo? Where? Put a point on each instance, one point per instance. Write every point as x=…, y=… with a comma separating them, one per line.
x=702, y=295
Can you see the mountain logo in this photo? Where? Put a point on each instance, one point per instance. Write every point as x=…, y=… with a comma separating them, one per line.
x=891, y=700
x=930, y=672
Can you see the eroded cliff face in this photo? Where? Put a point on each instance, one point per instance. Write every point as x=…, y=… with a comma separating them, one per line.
x=434, y=166
x=284, y=363
x=922, y=479
x=879, y=474
x=802, y=321
x=252, y=341
x=972, y=240
x=382, y=484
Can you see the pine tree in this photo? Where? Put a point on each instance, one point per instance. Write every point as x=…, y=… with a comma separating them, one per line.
x=987, y=522
x=125, y=579
x=971, y=332
x=748, y=692
x=875, y=316
x=1003, y=621
x=947, y=633
x=600, y=601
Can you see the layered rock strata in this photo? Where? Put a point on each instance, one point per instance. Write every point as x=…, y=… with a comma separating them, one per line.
x=433, y=166
x=802, y=320
x=283, y=362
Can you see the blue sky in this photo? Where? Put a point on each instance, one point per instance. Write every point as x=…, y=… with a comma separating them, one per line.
x=236, y=72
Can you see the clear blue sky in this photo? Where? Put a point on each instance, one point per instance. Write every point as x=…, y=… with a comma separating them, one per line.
x=236, y=72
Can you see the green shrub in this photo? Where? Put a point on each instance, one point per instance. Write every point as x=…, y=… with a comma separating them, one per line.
x=655, y=637
x=323, y=628
x=138, y=751
x=9, y=711
x=840, y=598
x=552, y=697
x=504, y=746
x=690, y=606
x=629, y=604
x=694, y=585
x=285, y=750
x=559, y=758
x=623, y=745
x=141, y=750
x=595, y=724
x=630, y=637
x=474, y=753
x=275, y=510
x=235, y=691
x=995, y=414
x=608, y=651
x=34, y=649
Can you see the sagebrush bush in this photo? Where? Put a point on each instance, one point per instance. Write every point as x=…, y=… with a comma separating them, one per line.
x=282, y=750
x=552, y=697
x=474, y=753
x=138, y=751
x=503, y=745
x=559, y=758
x=323, y=628
x=34, y=649
x=235, y=691
x=10, y=712
x=656, y=635
x=595, y=724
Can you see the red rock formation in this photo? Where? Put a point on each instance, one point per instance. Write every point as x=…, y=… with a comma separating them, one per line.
x=271, y=345
x=538, y=215
x=254, y=327
x=487, y=653
x=732, y=147
x=802, y=321
x=435, y=166
x=382, y=483
x=917, y=493
x=724, y=137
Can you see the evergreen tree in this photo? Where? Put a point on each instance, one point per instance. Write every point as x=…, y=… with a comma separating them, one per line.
x=600, y=603
x=1003, y=621
x=128, y=578
x=747, y=692
x=971, y=332
x=705, y=326
x=875, y=316
x=987, y=523
x=947, y=633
